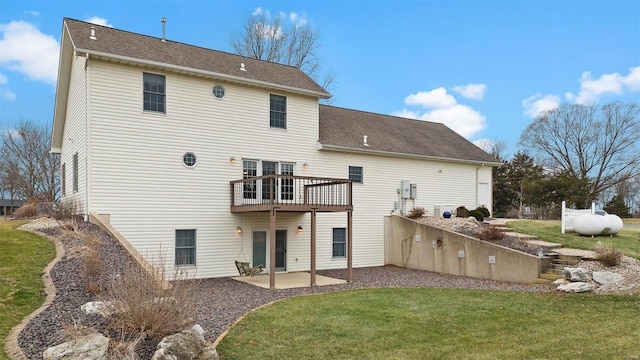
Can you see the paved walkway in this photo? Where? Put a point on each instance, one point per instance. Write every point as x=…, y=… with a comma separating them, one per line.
x=289, y=280
x=558, y=248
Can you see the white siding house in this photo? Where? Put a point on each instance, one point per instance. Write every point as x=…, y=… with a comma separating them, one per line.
x=147, y=137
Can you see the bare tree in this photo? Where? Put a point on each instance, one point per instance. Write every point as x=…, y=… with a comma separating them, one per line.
x=496, y=148
x=598, y=145
x=27, y=169
x=288, y=42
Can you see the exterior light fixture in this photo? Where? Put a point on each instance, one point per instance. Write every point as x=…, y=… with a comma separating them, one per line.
x=232, y=160
x=299, y=229
x=239, y=230
x=305, y=166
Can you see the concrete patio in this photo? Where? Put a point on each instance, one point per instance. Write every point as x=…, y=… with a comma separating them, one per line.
x=289, y=280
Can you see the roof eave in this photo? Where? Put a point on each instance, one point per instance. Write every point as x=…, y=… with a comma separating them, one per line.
x=213, y=74
x=62, y=90
x=405, y=155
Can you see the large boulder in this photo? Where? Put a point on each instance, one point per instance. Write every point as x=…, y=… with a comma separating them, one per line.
x=576, y=287
x=103, y=308
x=575, y=274
x=92, y=347
x=186, y=345
x=606, y=277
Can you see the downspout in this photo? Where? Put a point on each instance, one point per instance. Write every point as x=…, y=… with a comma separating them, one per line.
x=86, y=136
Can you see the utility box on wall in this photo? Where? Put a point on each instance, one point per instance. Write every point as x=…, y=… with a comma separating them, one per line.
x=405, y=189
x=413, y=192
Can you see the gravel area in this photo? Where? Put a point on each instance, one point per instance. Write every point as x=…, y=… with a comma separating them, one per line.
x=629, y=268
x=220, y=301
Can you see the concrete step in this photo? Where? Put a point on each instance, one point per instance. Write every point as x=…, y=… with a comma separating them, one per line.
x=543, y=282
x=501, y=228
x=544, y=244
x=566, y=262
x=550, y=276
x=555, y=271
x=520, y=236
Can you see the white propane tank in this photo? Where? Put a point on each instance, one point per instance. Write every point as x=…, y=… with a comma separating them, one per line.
x=589, y=224
x=614, y=224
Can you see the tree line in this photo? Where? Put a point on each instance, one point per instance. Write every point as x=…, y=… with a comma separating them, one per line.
x=576, y=153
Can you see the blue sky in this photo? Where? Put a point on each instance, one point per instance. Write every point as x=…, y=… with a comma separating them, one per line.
x=484, y=68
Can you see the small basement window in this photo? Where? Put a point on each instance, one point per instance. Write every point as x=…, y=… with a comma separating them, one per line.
x=218, y=92
x=189, y=159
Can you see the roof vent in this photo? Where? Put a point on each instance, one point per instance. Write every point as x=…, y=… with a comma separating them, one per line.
x=164, y=22
x=242, y=67
x=364, y=140
x=93, y=33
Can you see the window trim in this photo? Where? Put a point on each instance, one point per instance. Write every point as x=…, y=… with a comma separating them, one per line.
x=334, y=243
x=213, y=91
x=164, y=94
x=194, y=247
x=361, y=175
x=271, y=111
x=63, y=180
x=195, y=159
x=75, y=173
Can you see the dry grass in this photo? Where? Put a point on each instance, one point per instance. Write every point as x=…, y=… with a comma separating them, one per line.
x=609, y=257
x=142, y=304
x=416, y=213
x=490, y=233
x=28, y=210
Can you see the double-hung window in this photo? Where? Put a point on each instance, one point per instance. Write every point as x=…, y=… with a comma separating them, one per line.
x=75, y=172
x=154, y=92
x=185, y=247
x=249, y=170
x=339, y=242
x=355, y=174
x=278, y=113
x=63, y=180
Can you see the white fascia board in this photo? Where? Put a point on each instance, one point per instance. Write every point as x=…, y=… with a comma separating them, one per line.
x=404, y=155
x=212, y=74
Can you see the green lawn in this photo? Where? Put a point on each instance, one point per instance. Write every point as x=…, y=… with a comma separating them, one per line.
x=627, y=240
x=424, y=323
x=23, y=256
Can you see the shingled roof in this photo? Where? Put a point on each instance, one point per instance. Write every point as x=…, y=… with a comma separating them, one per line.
x=124, y=45
x=344, y=130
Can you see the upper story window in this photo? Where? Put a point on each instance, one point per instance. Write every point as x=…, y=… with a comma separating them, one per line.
x=355, y=174
x=189, y=159
x=278, y=113
x=218, y=91
x=154, y=92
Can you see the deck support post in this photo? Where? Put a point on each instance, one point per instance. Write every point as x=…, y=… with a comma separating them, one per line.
x=272, y=249
x=313, y=247
x=349, y=244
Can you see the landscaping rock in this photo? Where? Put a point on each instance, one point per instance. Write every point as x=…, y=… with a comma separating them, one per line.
x=559, y=282
x=186, y=345
x=92, y=346
x=103, y=308
x=575, y=274
x=606, y=277
x=576, y=287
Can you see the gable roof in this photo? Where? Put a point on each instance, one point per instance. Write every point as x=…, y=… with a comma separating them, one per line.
x=131, y=48
x=344, y=130
x=124, y=45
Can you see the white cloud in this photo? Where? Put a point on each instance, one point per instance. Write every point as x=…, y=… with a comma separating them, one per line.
x=3, y=79
x=257, y=11
x=436, y=98
x=98, y=21
x=269, y=32
x=537, y=104
x=471, y=91
x=7, y=95
x=444, y=109
x=592, y=89
x=33, y=13
x=28, y=51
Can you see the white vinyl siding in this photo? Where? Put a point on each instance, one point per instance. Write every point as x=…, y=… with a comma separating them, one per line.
x=148, y=200
x=74, y=140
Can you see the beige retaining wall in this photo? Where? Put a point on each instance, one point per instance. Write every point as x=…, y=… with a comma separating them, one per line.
x=418, y=246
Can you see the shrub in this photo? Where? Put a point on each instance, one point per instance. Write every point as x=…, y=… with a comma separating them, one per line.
x=490, y=233
x=416, y=213
x=609, y=257
x=462, y=212
x=27, y=210
x=485, y=212
x=141, y=303
x=66, y=210
x=476, y=214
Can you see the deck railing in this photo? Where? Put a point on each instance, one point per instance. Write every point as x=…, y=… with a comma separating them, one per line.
x=290, y=193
